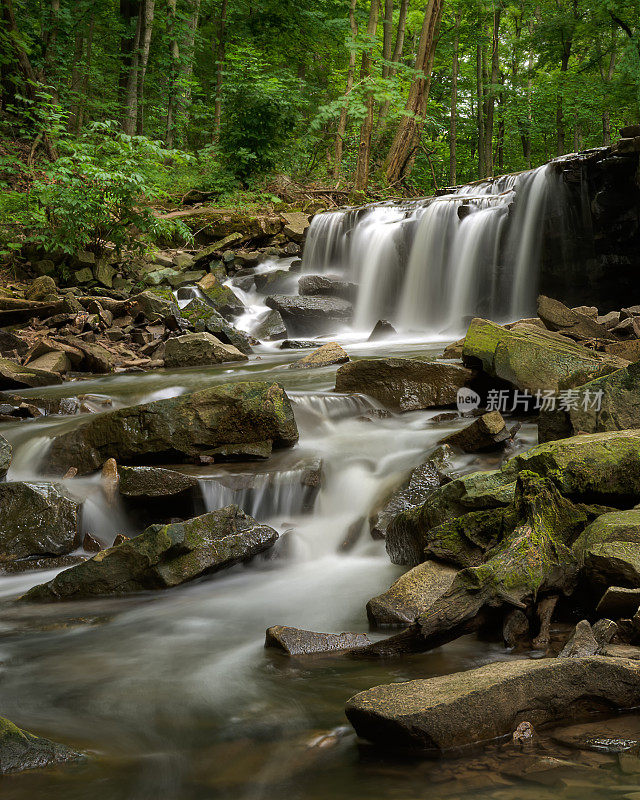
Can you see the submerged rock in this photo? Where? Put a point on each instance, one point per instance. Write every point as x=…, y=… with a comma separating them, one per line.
x=609, y=403
x=163, y=556
x=404, y=384
x=237, y=416
x=5, y=456
x=325, y=356
x=154, y=482
x=452, y=711
x=411, y=595
x=383, y=329
x=199, y=349
x=310, y=315
x=21, y=750
x=609, y=549
x=298, y=642
x=328, y=286
x=272, y=327
x=488, y=432
x=37, y=519
x=533, y=359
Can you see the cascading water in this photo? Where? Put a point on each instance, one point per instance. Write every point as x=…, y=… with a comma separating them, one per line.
x=432, y=264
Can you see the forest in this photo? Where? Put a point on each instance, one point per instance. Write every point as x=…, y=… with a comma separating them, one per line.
x=402, y=97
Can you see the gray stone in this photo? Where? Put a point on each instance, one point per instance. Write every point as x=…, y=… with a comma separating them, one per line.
x=297, y=642
x=21, y=750
x=199, y=349
x=311, y=315
x=154, y=482
x=581, y=643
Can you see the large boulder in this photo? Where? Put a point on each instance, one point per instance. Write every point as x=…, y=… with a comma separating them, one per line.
x=609, y=403
x=461, y=709
x=404, y=384
x=570, y=322
x=237, y=416
x=154, y=482
x=271, y=327
x=5, y=456
x=37, y=519
x=411, y=595
x=16, y=376
x=327, y=286
x=609, y=550
x=21, y=750
x=329, y=354
x=163, y=556
x=199, y=349
x=203, y=317
x=311, y=315
x=534, y=359
x=222, y=298
x=298, y=642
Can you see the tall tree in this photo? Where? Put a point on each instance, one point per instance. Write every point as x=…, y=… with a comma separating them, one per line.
x=453, y=119
x=344, y=111
x=364, y=149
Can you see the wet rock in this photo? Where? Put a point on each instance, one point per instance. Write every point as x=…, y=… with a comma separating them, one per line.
x=15, y=376
x=327, y=286
x=38, y=519
x=199, y=349
x=603, y=632
x=411, y=595
x=515, y=627
x=153, y=306
x=545, y=609
x=37, y=563
x=404, y=384
x=271, y=328
x=533, y=359
x=205, y=318
x=154, y=482
x=608, y=403
x=488, y=432
x=163, y=556
x=5, y=456
x=109, y=478
x=619, y=601
x=524, y=734
x=614, y=735
x=298, y=344
x=456, y=710
x=325, y=356
x=277, y=280
x=581, y=643
x=91, y=544
x=609, y=549
x=238, y=415
x=311, y=315
x=52, y=345
x=221, y=297
x=383, y=329
x=454, y=350
x=629, y=350
x=297, y=642
x=96, y=358
x=21, y=750
x=570, y=322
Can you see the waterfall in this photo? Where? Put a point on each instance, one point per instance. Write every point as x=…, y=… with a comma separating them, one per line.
x=431, y=264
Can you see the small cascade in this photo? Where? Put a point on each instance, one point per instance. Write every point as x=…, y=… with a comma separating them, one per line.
x=432, y=264
x=329, y=405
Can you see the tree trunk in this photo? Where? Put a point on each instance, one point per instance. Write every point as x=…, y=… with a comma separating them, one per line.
x=607, y=78
x=480, y=110
x=130, y=110
x=344, y=112
x=410, y=129
x=364, y=149
x=145, y=47
x=87, y=73
x=50, y=43
x=453, y=177
x=387, y=39
x=395, y=58
x=491, y=95
x=220, y=51
x=174, y=53
x=188, y=57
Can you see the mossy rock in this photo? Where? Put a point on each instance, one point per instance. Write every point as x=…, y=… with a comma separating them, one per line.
x=609, y=550
x=532, y=358
x=21, y=750
x=203, y=318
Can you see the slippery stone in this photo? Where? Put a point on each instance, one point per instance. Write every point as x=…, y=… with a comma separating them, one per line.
x=16, y=376
x=21, y=750
x=154, y=482
x=327, y=286
x=609, y=549
x=581, y=643
x=455, y=710
x=297, y=642
x=237, y=415
x=488, y=432
x=38, y=519
x=533, y=359
x=325, y=356
x=163, y=556
x=403, y=384
x=199, y=349
x=6, y=452
x=272, y=327
x=310, y=315
x=203, y=317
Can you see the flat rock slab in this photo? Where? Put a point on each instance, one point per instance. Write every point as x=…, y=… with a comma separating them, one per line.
x=154, y=482
x=21, y=750
x=310, y=315
x=325, y=356
x=618, y=602
x=404, y=384
x=297, y=642
x=16, y=376
x=452, y=711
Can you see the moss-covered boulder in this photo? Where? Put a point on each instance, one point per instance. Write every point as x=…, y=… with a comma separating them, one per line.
x=222, y=298
x=609, y=550
x=532, y=358
x=411, y=595
x=232, y=416
x=17, y=376
x=404, y=384
x=163, y=556
x=154, y=482
x=5, y=456
x=21, y=750
x=203, y=317
x=198, y=350
x=609, y=403
x=37, y=519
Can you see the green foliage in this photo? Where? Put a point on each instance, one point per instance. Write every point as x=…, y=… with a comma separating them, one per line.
x=96, y=193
